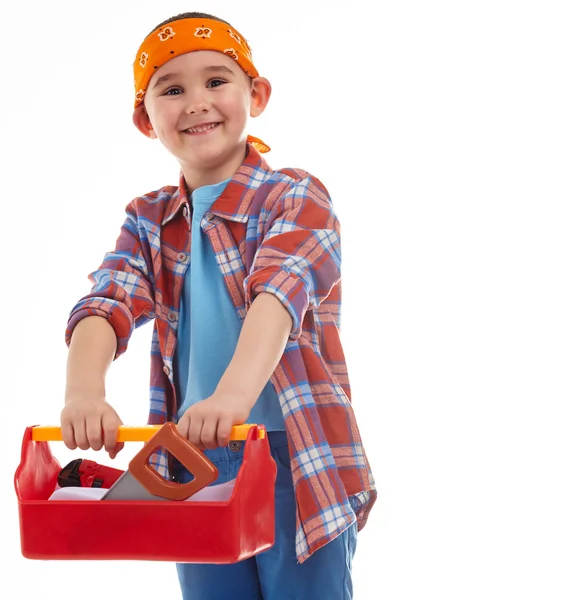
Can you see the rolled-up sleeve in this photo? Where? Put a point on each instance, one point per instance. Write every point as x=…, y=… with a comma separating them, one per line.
x=122, y=292
x=299, y=257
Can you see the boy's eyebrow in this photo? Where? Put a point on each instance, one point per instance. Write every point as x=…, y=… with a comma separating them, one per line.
x=218, y=69
x=211, y=69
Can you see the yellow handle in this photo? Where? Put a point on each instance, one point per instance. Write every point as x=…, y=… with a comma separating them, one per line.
x=49, y=433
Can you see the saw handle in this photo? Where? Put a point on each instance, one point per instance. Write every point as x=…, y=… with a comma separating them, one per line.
x=186, y=452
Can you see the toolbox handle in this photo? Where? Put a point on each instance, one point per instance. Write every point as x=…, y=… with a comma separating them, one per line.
x=52, y=433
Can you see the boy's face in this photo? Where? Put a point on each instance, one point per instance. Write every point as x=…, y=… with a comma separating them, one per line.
x=198, y=105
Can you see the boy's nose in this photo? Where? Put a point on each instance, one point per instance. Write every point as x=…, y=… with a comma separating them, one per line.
x=197, y=106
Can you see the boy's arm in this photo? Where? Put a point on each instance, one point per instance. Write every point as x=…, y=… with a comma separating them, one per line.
x=87, y=420
x=262, y=340
x=91, y=351
x=98, y=331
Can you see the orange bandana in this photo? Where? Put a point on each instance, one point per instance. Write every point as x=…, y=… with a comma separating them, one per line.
x=189, y=35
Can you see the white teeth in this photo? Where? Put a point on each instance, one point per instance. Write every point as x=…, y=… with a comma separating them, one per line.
x=201, y=128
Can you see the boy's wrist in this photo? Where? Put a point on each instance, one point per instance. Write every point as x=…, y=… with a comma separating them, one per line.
x=84, y=392
x=237, y=392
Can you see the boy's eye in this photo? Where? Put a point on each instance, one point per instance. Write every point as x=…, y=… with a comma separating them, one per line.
x=215, y=82
x=175, y=91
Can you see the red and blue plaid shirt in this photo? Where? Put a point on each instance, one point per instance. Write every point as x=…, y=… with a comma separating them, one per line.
x=271, y=231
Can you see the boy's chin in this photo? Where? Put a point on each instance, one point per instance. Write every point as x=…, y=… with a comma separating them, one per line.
x=211, y=158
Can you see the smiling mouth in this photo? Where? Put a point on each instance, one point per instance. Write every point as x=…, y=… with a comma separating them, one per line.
x=201, y=129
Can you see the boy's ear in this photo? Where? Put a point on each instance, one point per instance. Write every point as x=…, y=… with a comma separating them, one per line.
x=260, y=94
x=142, y=122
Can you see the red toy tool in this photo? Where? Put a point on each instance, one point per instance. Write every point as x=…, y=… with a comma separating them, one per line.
x=87, y=473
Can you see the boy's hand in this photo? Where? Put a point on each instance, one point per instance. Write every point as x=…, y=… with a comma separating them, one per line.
x=90, y=423
x=208, y=423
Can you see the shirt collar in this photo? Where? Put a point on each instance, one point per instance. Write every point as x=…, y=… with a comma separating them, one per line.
x=234, y=202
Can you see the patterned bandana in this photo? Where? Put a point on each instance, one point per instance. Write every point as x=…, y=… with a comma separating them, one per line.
x=190, y=35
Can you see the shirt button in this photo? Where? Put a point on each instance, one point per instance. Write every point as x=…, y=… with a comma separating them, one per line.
x=166, y=370
x=185, y=211
x=182, y=257
x=172, y=317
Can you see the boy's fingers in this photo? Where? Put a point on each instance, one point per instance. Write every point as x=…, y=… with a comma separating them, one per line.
x=118, y=447
x=94, y=431
x=183, y=425
x=195, y=430
x=68, y=435
x=80, y=431
x=110, y=429
x=224, y=431
x=208, y=436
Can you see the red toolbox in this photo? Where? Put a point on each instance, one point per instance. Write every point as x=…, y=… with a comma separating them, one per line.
x=171, y=530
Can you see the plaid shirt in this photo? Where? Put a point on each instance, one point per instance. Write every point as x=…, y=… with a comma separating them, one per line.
x=271, y=231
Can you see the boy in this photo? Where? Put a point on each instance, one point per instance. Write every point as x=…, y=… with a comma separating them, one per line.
x=239, y=266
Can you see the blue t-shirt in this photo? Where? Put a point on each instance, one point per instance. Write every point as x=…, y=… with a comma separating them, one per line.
x=209, y=327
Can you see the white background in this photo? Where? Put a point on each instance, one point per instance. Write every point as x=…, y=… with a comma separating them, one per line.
x=441, y=130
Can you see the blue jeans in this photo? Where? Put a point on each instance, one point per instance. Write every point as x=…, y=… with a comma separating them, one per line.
x=275, y=573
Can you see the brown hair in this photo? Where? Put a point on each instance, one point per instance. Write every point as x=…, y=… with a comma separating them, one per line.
x=191, y=15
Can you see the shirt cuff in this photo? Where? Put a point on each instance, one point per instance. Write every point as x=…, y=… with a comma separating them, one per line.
x=119, y=319
x=289, y=289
